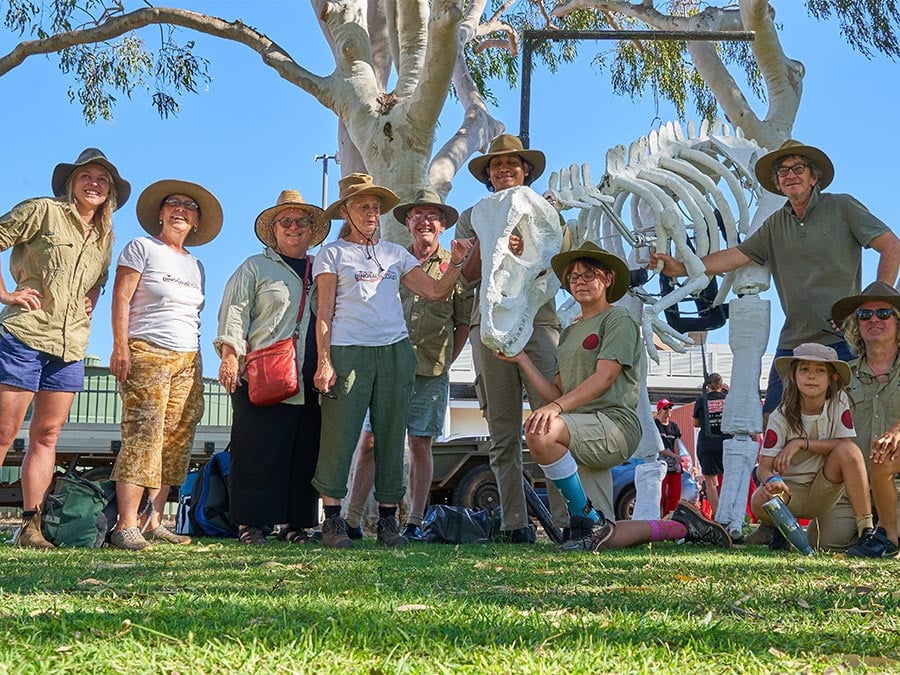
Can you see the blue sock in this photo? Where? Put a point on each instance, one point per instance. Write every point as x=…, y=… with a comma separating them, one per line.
x=564, y=474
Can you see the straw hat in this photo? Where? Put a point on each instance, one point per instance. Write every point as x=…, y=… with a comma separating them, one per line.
x=876, y=291
x=765, y=165
x=358, y=184
x=427, y=197
x=62, y=172
x=589, y=249
x=812, y=351
x=290, y=199
x=507, y=144
x=150, y=202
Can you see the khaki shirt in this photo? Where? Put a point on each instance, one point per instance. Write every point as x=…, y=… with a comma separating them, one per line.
x=50, y=254
x=431, y=323
x=260, y=306
x=876, y=405
x=815, y=261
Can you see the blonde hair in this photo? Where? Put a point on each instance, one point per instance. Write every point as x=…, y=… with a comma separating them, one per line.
x=850, y=326
x=102, y=220
x=791, y=398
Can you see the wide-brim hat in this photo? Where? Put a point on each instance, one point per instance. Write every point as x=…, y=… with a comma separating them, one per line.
x=765, y=165
x=813, y=351
x=63, y=170
x=507, y=144
x=286, y=200
x=356, y=185
x=427, y=197
x=874, y=292
x=589, y=249
x=150, y=202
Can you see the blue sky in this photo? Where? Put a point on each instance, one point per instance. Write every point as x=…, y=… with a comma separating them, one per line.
x=252, y=134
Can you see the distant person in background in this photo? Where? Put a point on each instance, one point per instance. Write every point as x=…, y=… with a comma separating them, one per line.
x=61, y=250
x=707, y=418
x=274, y=449
x=157, y=298
x=670, y=433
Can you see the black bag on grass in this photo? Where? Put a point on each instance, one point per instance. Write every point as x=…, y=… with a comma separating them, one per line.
x=458, y=525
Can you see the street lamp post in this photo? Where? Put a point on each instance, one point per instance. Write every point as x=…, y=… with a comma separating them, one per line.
x=325, y=159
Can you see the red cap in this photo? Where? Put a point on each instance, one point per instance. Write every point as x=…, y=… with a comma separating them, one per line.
x=664, y=403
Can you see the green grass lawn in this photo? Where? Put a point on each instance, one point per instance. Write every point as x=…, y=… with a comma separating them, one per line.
x=224, y=607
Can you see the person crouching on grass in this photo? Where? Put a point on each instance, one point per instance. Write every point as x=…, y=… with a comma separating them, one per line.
x=590, y=419
x=807, y=457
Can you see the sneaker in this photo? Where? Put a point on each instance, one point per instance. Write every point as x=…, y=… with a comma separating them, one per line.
x=761, y=536
x=586, y=535
x=334, y=533
x=699, y=528
x=129, y=539
x=355, y=532
x=874, y=544
x=388, y=533
x=166, y=536
x=521, y=535
x=412, y=532
x=30, y=534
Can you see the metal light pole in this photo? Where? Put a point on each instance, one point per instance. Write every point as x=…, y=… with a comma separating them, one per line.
x=325, y=159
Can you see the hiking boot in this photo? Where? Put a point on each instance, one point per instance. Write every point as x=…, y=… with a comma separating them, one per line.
x=166, y=536
x=586, y=535
x=334, y=533
x=874, y=544
x=700, y=529
x=521, y=535
x=412, y=532
x=355, y=532
x=388, y=533
x=129, y=539
x=761, y=536
x=30, y=534
x=778, y=541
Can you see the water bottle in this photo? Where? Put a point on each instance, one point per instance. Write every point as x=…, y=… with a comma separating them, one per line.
x=784, y=520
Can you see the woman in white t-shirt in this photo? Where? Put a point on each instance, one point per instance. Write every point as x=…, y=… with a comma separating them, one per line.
x=365, y=358
x=156, y=305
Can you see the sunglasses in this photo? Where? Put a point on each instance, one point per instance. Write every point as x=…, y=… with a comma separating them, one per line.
x=883, y=313
x=285, y=223
x=326, y=394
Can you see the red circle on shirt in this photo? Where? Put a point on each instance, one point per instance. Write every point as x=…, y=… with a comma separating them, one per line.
x=592, y=341
x=443, y=267
x=847, y=419
x=771, y=439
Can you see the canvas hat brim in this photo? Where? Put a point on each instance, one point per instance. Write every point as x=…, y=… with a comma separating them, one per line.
x=783, y=366
x=450, y=214
x=148, y=207
x=265, y=220
x=386, y=197
x=589, y=249
x=62, y=171
x=766, y=164
x=877, y=291
x=478, y=166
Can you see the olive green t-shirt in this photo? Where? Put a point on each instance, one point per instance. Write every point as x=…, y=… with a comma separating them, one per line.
x=611, y=335
x=815, y=261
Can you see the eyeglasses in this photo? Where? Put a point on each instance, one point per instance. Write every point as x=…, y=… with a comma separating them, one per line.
x=419, y=217
x=285, y=223
x=798, y=169
x=178, y=204
x=590, y=275
x=883, y=313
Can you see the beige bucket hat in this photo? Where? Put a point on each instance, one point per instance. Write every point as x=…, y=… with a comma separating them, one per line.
x=813, y=351
x=358, y=184
x=290, y=199
x=151, y=199
x=765, y=165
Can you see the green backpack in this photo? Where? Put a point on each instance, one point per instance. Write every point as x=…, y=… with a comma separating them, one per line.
x=73, y=513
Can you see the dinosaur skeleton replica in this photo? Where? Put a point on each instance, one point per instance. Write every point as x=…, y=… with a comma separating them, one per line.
x=668, y=190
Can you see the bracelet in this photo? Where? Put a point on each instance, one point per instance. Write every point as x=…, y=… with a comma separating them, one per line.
x=459, y=264
x=806, y=447
x=772, y=479
x=556, y=403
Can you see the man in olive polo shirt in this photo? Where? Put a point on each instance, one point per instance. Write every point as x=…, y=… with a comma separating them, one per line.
x=813, y=246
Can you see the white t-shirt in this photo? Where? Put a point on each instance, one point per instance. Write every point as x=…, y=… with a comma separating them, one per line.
x=165, y=308
x=367, y=307
x=835, y=421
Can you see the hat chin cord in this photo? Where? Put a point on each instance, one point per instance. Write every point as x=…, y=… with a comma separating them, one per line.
x=370, y=242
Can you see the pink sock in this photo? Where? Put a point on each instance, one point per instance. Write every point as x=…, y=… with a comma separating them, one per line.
x=666, y=530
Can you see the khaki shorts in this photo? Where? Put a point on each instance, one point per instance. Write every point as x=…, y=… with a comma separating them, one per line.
x=814, y=499
x=597, y=442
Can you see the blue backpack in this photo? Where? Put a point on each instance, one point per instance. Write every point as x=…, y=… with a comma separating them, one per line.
x=210, y=501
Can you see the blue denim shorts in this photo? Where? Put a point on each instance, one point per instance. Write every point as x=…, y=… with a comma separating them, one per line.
x=33, y=370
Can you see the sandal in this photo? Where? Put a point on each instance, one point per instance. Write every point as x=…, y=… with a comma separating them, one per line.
x=292, y=536
x=252, y=536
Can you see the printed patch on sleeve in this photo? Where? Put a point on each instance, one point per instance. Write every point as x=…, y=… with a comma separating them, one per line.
x=592, y=341
x=771, y=439
x=847, y=419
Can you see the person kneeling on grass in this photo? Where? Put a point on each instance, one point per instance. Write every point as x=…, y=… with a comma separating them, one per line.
x=807, y=457
x=590, y=419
